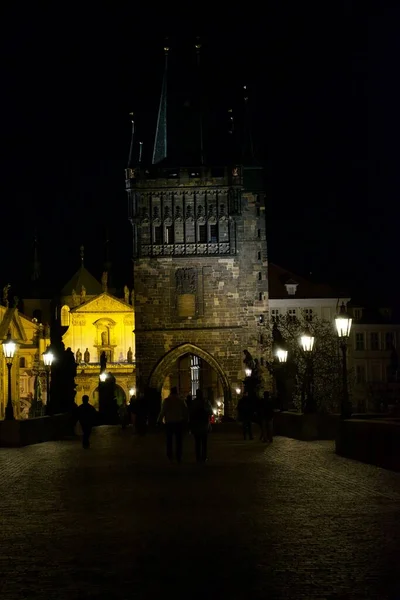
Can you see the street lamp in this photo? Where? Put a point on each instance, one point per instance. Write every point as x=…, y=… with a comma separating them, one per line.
x=281, y=355
x=48, y=358
x=9, y=348
x=132, y=391
x=248, y=372
x=238, y=390
x=307, y=343
x=343, y=327
x=103, y=376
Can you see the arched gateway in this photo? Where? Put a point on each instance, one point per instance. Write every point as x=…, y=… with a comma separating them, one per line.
x=164, y=366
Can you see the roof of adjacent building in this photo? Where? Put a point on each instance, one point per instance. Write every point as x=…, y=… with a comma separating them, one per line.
x=82, y=278
x=278, y=277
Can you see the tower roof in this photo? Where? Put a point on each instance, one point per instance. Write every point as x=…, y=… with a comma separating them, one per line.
x=82, y=278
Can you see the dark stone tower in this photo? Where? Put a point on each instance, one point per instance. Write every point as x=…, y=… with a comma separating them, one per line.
x=200, y=268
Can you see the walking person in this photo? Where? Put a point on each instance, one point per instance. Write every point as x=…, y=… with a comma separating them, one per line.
x=199, y=419
x=123, y=414
x=245, y=413
x=87, y=418
x=265, y=414
x=174, y=412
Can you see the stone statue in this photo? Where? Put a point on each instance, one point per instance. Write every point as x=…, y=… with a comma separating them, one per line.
x=130, y=355
x=86, y=356
x=78, y=356
x=126, y=294
x=104, y=338
x=83, y=294
x=104, y=279
x=5, y=294
x=133, y=297
x=103, y=362
x=74, y=298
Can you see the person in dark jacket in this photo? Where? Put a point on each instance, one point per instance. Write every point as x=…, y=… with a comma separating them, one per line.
x=245, y=413
x=265, y=414
x=199, y=420
x=87, y=418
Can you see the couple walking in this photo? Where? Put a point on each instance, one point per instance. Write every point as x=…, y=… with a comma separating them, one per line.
x=176, y=415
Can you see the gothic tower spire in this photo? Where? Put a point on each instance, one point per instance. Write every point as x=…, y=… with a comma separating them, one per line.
x=160, y=141
x=199, y=95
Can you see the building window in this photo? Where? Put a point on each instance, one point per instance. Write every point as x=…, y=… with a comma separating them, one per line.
x=357, y=314
x=274, y=315
x=213, y=234
x=65, y=316
x=260, y=296
x=360, y=374
x=292, y=314
x=158, y=234
x=194, y=374
x=259, y=233
x=22, y=362
x=258, y=255
x=259, y=277
x=169, y=234
x=374, y=341
x=360, y=345
x=389, y=340
x=202, y=234
x=308, y=314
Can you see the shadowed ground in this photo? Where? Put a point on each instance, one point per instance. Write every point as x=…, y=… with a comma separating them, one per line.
x=290, y=520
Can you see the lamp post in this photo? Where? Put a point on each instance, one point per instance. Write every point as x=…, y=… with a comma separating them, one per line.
x=307, y=343
x=278, y=371
x=343, y=327
x=48, y=358
x=9, y=348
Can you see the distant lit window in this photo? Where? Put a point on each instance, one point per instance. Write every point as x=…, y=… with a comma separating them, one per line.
x=374, y=339
x=65, y=316
x=292, y=314
x=360, y=344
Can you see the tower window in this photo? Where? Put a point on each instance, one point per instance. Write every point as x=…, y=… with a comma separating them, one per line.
x=259, y=233
x=169, y=234
x=213, y=234
x=158, y=235
x=202, y=234
x=259, y=255
x=22, y=362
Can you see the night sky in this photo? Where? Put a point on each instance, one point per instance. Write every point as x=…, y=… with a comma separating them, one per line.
x=324, y=89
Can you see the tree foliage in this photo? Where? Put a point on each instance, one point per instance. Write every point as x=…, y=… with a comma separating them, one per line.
x=326, y=361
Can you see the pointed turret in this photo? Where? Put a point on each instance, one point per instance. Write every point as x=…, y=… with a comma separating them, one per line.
x=247, y=142
x=160, y=141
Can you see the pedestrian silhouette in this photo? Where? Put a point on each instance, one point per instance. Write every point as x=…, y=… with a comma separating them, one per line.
x=87, y=418
x=174, y=412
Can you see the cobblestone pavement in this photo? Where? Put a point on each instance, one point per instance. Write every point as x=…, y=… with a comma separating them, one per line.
x=289, y=520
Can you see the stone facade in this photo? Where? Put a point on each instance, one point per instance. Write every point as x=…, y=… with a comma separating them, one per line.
x=207, y=292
